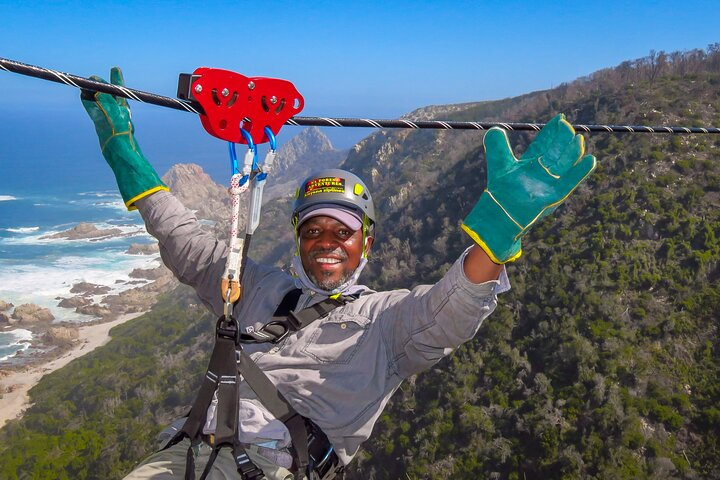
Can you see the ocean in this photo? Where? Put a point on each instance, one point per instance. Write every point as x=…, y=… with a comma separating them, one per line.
x=38, y=270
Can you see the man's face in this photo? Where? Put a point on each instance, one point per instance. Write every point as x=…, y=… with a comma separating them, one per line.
x=330, y=252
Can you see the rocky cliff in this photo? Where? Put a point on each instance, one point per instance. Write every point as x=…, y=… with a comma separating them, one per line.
x=308, y=151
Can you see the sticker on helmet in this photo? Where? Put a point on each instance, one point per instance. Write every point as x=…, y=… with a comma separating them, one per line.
x=324, y=185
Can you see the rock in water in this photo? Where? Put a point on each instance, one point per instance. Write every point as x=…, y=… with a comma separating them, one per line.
x=143, y=249
x=85, y=288
x=74, y=302
x=94, y=310
x=29, y=313
x=84, y=231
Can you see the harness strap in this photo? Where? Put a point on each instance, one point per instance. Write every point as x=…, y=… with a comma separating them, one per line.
x=227, y=394
x=286, y=321
x=265, y=390
x=306, y=316
x=210, y=462
x=189, y=464
x=196, y=418
x=288, y=303
x=220, y=376
x=246, y=468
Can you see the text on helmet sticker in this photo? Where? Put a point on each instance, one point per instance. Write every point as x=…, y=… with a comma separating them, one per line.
x=324, y=185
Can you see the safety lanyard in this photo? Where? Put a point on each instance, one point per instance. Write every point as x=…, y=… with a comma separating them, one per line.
x=252, y=177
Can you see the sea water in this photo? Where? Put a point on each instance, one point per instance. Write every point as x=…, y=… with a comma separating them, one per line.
x=39, y=270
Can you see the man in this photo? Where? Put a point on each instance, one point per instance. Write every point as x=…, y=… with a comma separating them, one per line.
x=340, y=370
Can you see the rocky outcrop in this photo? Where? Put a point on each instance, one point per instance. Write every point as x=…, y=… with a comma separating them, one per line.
x=85, y=306
x=130, y=301
x=85, y=288
x=162, y=284
x=198, y=192
x=61, y=335
x=95, y=310
x=149, y=274
x=29, y=313
x=5, y=306
x=4, y=319
x=74, y=302
x=84, y=231
x=143, y=249
x=306, y=152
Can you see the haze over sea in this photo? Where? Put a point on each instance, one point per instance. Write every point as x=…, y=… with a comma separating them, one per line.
x=38, y=270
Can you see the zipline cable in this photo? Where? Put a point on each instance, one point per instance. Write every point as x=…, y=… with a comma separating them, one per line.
x=193, y=107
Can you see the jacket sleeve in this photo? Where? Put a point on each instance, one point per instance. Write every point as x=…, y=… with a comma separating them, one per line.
x=433, y=320
x=194, y=256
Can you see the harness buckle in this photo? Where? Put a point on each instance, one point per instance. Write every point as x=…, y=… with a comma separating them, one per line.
x=294, y=320
x=228, y=327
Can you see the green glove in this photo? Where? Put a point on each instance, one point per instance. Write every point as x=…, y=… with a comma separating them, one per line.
x=135, y=177
x=521, y=192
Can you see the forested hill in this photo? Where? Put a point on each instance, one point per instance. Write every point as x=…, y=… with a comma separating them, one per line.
x=601, y=362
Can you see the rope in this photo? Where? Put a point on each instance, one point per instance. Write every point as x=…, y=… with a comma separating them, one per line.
x=450, y=125
x=192, y=107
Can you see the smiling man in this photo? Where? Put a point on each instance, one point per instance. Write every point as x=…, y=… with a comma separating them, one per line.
x=334, y=220
x=321, y=355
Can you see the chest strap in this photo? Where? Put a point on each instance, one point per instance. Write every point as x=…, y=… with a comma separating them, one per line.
x=286, y=321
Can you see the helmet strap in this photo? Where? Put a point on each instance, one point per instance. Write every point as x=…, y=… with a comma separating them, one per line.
x=310, y=285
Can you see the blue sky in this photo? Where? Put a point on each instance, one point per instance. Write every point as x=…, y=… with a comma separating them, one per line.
x=368, y=59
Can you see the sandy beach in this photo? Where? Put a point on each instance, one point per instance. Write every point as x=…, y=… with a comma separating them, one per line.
x=14, y=403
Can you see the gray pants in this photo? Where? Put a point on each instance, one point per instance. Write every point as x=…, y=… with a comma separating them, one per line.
x=170, y=464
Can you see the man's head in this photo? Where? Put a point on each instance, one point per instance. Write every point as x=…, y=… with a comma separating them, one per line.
x=334, y=219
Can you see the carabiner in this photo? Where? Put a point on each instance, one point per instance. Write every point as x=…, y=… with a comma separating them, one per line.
x=252, y=147
x=271, y=137
x=234, y=169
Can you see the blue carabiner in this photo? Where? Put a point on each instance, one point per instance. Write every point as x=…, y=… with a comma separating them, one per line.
x=248, y=138
x=251, y=146
x=271, y=137
x=233, y=159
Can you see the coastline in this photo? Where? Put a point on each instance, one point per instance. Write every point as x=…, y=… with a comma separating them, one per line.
x=14, y=403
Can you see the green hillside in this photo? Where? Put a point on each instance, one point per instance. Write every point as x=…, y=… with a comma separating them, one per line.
x=602, y=361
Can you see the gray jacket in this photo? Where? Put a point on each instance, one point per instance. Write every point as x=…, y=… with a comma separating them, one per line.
x=339, y=371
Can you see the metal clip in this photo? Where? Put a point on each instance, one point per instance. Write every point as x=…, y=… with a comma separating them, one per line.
x=228, y=304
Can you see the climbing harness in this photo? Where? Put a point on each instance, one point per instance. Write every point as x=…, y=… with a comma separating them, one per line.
x=185, y=103
x=314, y=457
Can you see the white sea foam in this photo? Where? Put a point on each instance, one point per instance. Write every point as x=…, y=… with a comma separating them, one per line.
x=22, y=229
x=58, y=276
x=107, y=193
x=13, y=341
x=43, y=238
x=7, y=198
x=43, y=284
x=19, y=335
x=116, y=205
x=109, y=199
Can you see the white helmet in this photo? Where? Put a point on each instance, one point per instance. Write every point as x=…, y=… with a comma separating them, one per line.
x=334, y=189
